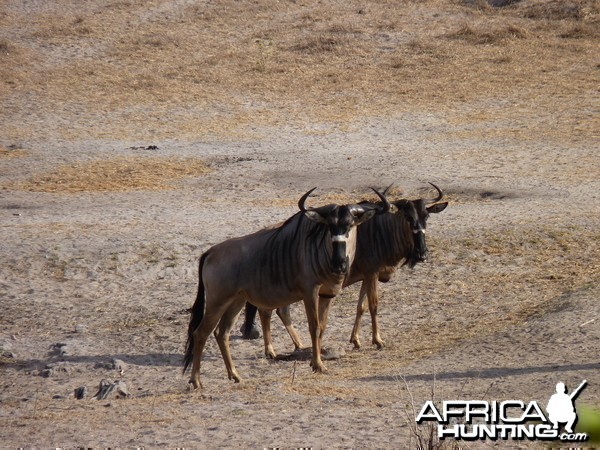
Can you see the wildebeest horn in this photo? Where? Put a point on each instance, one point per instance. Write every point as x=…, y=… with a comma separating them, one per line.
x=385, y=191
x=303, y=199
x=440, y=194
x=386, y=203
x=363, y=207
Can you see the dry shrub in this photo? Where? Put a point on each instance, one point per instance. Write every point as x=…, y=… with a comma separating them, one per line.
x=55, y=29
x=319, y=44
x=561, y=9
x=581, y=31
x=116, y=175
x=481, y=37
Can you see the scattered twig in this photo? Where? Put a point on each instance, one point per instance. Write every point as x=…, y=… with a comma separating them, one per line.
x=587, y=322
x=294, y=372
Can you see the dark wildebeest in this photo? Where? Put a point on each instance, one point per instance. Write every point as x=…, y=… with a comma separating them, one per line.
x=382, y=244
x=307, y=258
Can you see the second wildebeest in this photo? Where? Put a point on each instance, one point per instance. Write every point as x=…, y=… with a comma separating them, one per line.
x=382, y=245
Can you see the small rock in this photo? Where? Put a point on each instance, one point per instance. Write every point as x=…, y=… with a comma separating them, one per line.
x=81, y=393
x=119, y=365
x=114, y=364
x=58, y=349
x=106, y=389
x=329, y=354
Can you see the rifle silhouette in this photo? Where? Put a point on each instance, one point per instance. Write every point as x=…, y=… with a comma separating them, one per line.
x=576, y=392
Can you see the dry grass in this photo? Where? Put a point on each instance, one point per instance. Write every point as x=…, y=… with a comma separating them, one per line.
x=224, y=69
x=118, y=174
x=477, y=36
x=12, y=151
x=561, y=10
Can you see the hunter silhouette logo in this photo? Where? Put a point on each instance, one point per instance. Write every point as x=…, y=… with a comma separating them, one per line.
x=561, y=406
x=509, y=419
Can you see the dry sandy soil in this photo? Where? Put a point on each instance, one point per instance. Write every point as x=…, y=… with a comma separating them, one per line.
x=136, y=134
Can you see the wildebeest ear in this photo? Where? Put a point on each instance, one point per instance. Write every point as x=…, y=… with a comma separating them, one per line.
x=437, y=208
x=363, y=217
x=315, y=216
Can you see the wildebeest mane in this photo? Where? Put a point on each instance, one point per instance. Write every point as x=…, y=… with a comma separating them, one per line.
x=297, y=241
x=383, y=242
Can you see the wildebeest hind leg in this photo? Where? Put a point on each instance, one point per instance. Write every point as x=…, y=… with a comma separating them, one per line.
x=360, y=309
x=265, y=322
x=284, y=315
x=208, y=324
x=222, y=335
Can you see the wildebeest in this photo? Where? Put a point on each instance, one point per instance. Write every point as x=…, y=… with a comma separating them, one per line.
x=382, y=244
x=306, y=258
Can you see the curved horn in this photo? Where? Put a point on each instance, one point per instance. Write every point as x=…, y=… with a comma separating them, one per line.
x=387, y=189
x=386, y=204
x=439, y=197
x=303, y=199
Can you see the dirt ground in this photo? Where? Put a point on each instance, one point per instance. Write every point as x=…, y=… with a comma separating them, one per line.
x=136, y=134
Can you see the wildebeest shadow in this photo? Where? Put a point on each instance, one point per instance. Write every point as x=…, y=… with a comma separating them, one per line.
x=492, y=372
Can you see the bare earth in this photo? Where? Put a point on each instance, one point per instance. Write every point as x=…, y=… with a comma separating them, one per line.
x=136, y=134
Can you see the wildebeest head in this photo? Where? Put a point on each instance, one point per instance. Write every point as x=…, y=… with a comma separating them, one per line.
x=416, y=213
x=340, y=221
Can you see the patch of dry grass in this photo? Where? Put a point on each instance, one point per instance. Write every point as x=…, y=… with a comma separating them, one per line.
x=11, y=152
x=115, y=175
x=227, y=68
x=561, y=10
x=479, y=36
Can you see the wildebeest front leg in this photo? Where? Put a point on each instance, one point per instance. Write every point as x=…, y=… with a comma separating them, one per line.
x=311, y=304
x=361, y=307
x=265, y=321
x=324, y=303
x=222, y=335
x=284, y=315
x=373, y=297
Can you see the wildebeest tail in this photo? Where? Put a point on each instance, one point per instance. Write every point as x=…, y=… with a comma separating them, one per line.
x=197, y=312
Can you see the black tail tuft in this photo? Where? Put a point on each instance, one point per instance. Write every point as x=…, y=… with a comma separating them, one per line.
x=197, y=314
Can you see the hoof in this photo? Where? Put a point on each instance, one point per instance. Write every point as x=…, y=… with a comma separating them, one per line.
x=379, y=344
x=233, y=375
x=318, y=368
x=195, y=384
x=250, y=332
x=356, y=343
